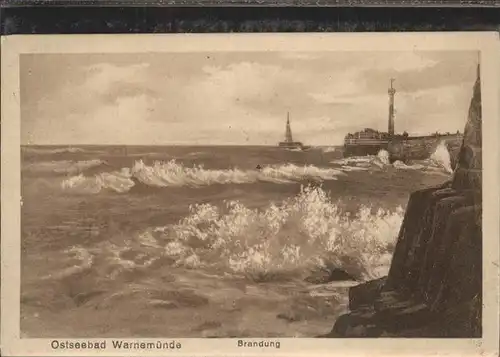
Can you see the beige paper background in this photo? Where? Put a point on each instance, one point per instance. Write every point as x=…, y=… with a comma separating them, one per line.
x=486, y=43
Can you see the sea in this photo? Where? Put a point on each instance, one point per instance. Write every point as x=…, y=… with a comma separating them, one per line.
x=214, y=241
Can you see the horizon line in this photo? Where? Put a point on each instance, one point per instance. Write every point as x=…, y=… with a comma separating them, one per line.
x=149, y=145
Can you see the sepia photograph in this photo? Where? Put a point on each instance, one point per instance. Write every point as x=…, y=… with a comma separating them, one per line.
x=251, y=194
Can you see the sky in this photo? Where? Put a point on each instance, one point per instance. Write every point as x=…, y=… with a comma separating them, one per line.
x=238, y=98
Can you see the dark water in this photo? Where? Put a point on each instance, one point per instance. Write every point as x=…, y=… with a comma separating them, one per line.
x=203, y=241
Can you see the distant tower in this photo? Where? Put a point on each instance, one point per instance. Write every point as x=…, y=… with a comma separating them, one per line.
x=288, y=132
x=391, y=92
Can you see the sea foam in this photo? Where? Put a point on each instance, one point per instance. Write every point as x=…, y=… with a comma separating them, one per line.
x=118, y=181
x=441, y=157
x=438, y=161
x=174, y=174
x=290, y=239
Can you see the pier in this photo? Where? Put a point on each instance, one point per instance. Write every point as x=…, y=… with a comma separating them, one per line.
x=401, y=147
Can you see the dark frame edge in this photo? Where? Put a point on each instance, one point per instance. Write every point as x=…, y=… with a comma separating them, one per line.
x=260, y=3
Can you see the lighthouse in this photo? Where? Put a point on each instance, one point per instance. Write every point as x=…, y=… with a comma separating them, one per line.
x=288, y=131
x=289, y=143
x=391, y=92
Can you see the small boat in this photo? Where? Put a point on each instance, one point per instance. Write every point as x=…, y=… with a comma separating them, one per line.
x=289, y=143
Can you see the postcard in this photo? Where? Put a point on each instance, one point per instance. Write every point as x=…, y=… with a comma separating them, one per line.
x=250, y=194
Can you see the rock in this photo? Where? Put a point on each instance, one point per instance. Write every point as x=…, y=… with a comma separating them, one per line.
x=366, y=293
x=364, y=316
x=369, y=330
x=408, y=229
x=340, y=275
x=458, y=244
x=433, y=259
x=414, y=234
x=473, y=126
x=391, y=299
x=467, y=178
x=468, y=173
x=462, y=279
x=397, y=311
x=471, y=157
x=324, y=276
x=459, y=321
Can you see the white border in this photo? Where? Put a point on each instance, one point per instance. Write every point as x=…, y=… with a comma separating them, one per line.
x=486, y=43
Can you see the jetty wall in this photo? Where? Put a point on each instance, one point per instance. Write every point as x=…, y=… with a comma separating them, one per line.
x=406, y=149
x=420, y=148
x=364, y=149
x=434, y=285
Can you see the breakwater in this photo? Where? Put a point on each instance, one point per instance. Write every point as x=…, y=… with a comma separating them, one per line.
x=420, y=148
x=406, y=149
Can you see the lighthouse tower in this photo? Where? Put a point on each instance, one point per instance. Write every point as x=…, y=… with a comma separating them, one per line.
x=391, y=92
x=288, y=131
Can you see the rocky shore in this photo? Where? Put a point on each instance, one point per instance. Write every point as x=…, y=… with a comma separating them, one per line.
x=434, y=285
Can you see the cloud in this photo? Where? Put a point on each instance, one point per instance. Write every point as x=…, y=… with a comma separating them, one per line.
x=230, y=99
x=355, y=81
x=99, y=82
x=100, y=77
x=108, y=105
x=336, y=88
x=126, y=119
x=407, y=61
x=242, y=81
x=230, y=95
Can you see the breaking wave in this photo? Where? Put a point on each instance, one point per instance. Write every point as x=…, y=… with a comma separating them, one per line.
x=118, y=181
x=174, y=174
x=303, y=234
x=358, y=163
x=441, y=157
x=327, y=149
x=439, y=160
x=62, y=166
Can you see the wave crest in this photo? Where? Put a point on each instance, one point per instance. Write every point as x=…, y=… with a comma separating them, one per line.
x=302, y=234
x=328, y=149
x=174, y=174
x=364, y=163
x=118, y=181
